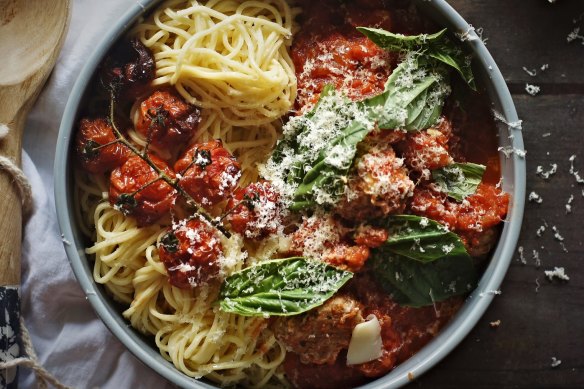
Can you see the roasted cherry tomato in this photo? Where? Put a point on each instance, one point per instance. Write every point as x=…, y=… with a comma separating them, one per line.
x=129, y=70
x=137, y=190
x=96, y=146
x=255, y=211
x=190, y=251
x=167, y=120
x=428, y=149
x=208, y=172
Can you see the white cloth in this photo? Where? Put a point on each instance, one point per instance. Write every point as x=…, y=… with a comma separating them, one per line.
x=71, y=342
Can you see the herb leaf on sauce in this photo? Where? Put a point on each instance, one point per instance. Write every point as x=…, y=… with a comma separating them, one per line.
x=414, y=96
x=281, y=287
x=422, y=262
x=459, y=180
x=437, y=46
x=314, y=157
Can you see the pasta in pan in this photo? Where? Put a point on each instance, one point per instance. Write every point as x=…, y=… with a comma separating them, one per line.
x=268, y=181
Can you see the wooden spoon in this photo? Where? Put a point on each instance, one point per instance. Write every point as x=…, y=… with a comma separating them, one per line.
x=31, y=35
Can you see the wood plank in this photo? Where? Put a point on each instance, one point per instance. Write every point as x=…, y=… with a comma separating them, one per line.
x=535, y=326
x=531, y=33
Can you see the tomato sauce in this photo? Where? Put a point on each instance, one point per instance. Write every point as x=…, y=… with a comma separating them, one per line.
x=329, y=50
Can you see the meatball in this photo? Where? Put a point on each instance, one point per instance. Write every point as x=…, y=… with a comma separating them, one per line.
x=428, y=149
x=137, y=190
x=370, y=236
x=321, y=238
x=208, y=172
x=190, y=251
x=166, y=120
x=129, y=70
x=474, y=219
x=319, y=335
x=255, y=211
x=97, y=148
x=379, y=187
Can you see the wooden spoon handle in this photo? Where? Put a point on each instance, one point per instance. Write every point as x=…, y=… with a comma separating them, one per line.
x=11, y=205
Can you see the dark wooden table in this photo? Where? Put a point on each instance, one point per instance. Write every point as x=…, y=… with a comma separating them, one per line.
x=537, y=323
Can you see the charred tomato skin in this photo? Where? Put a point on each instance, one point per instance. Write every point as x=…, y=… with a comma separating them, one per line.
x=167, y=120
x=208, y=172
x=190, y=252
x=137, y=190
x=248, y=205
x=128, y=70
x=93, y=156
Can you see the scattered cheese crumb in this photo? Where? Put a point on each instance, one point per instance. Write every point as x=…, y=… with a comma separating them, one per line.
x=508, y=151
x=558, y=272
x=495, y=324
x=545, y=135
x=557, y=234
x=65, y=241
x=546, y=174
x=555, y=362
x=532, y=73
x=532, y=89
x=569, y=204
x=575, y=35
x=491, y=292
x=537, y=285
x=535, y=256
x=521, y=256
x=514, y=124
x=573, y=172
x=544, y=67
x=540, y=231
x=534, y=197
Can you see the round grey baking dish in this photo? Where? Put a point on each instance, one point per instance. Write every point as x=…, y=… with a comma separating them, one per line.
x=513, y=170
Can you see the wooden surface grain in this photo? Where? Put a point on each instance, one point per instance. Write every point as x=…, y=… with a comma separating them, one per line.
x=537, y=323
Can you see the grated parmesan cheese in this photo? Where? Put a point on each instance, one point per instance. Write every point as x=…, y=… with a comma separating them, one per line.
x=533, y=90
x=575, y=35
x=534, y=197
x=546, y=174
x=490, y=292
x=573, y=172
x=555, y=362
x=521, y=256
x=535, y=256
x=508, y=151
x=569, y=204
x=558, y=272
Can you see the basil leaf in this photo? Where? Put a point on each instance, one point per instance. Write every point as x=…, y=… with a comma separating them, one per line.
x=325, y=182
x=459, y=180
x=417, y=284
x=422, y=261
x=414, y=96
x=399, y=42
x=437, y=46
x=450, y=54
x=314, y=157
x=281, y=287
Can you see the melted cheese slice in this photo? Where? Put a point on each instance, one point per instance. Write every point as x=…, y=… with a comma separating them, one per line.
x=366, y=343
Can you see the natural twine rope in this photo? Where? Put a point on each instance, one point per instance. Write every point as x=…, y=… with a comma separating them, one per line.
x=30, y=359
x=18, y=177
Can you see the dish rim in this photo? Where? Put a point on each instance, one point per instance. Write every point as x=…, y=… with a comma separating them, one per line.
x=433, y=352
